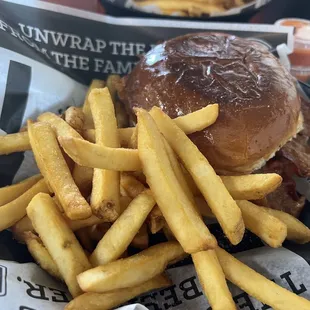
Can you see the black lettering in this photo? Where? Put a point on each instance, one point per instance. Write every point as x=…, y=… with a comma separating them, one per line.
x=150, y=305
x=295, y=290
x=190, y=289
x=25, y=308
x=172, y=295
x=247, y=301
x=62, y=294
x=37, y=293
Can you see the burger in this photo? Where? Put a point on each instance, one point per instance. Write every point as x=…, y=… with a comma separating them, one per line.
x=260, y=109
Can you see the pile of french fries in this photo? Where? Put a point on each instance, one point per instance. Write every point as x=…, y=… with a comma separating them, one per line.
x=104, y=189
x=194, y=8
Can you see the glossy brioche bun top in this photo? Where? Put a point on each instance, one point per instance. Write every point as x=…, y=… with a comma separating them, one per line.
x=257, y=97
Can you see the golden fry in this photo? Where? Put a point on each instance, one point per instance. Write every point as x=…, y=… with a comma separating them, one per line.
x=198, y=120
x=75, y=118
x=131, y=271
x=264, y=225
x=220, y=201
x=15, y=142
x=15, y=210
x=78, y=224
x=131, y=185
x=59, y=240
x=110, y=300
x=156, y=220
x=59, y=125
x=92, y=155
x=193, y=8
x=54, y=168
x=9, y=193
x=177, y=208
x=253, y=186
x=88, y=119
x=106, y=183
x=124, y=135
x=296, y=230
x=122, y=232
x=40, y=254
x=212, y=280
x=20, y=227
x=258, y=286
x=113, y=82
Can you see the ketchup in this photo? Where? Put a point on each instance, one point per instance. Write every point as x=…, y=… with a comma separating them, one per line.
x=300, y=58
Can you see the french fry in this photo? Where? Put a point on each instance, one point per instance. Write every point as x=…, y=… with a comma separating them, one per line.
x=9, y=193
x=261, y=223
x=189, y=123
x=59, y=240
x=25, y=225
x=131, y=271
x=78, y=224
x=54, y=168
x=75, y=118
x=59, y=125
x=178, y=170
x=15, y=210
x=88, y=118
x=40, y=254
x=258, y=286
x=133, y=143
x=105, y=193
x=244, y=187
x=211, y=186
x=176, y=207
x=92, y=155
x=80, y=174
x=112, y=83
x=156, y=220
x=110, y=300
x=253, y=186
x=131, y=185
x=124, y=135
x=15, y=142
x=296, y=230
x=212, y=280
x=193, y=8
x=20, y=227
x=122, y=232
x=141, y=239
x=58, y=204
x=264, y=225
x=202, y=119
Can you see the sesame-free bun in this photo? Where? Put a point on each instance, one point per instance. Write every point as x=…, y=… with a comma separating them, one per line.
x=258, y=102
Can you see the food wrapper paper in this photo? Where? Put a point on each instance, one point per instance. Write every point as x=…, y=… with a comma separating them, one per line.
x=48, y=56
